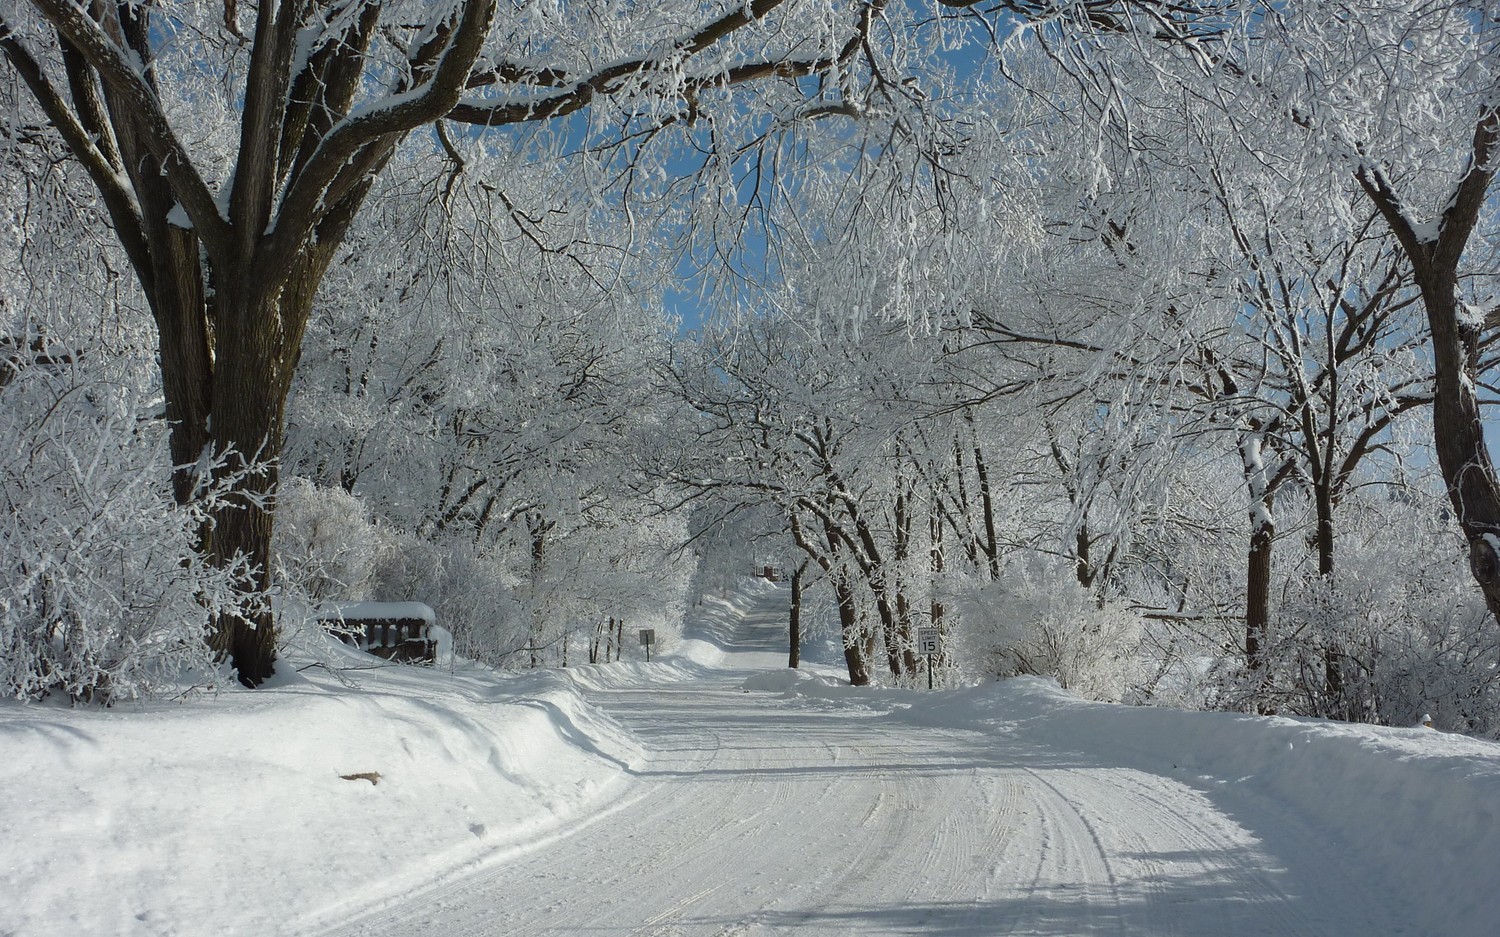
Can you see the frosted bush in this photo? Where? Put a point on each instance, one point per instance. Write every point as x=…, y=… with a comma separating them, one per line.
x=470, y=593
x=326, y=546
x=1398, y=633
x=104, y=596
x=1038, y=620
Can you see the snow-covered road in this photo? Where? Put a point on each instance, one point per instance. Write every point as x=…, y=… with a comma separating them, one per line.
x=755, y=813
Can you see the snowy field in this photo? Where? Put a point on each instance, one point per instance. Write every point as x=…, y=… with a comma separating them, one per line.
x=716, y=793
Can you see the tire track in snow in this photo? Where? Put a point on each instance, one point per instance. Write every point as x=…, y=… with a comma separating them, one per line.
x=1071, y=866
x=1133, y=847
x=1198, y=844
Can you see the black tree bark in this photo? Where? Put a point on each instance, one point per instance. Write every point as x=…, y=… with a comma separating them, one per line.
x=1457, y=423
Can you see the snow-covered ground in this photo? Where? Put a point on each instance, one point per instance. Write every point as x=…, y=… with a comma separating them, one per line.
x=247, y=813
x=716, y=793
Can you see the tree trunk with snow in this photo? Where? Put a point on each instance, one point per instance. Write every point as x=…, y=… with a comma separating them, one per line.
x=1457, y=422
x=852, y=636
x=1261, y=484
x=794, y=618
x=1258, y=590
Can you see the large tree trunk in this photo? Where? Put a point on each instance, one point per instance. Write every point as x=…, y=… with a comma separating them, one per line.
x=1323, y=535
x=903, y=539
x=246, y=417
x=838, y=575
x=187, y=366
x=991, y=545
x=243, y=531
x=538, y=528
x=937, y=562
x=1458, y=433
x=1261, y=485
x=258, y=337
x=867, y=556
x=256, y=347
x=1333, y=655
x=1457, y=425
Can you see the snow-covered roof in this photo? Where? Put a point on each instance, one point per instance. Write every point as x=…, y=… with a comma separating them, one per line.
x=381, y=610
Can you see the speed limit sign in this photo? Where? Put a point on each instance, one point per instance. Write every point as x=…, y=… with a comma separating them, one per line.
x=929, y=641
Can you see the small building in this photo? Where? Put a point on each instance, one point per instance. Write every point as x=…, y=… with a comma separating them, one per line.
x=398, y=631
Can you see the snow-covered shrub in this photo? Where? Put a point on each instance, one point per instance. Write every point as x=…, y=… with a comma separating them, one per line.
x=104, y=596
x=327, y=550
x=326, y=546
x=1038, y=620
x=470, y=593
x=1398, y=632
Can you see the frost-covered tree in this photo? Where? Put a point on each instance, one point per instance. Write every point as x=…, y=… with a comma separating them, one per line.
x=484, y=400
x=234, y=146
x=1397, y=101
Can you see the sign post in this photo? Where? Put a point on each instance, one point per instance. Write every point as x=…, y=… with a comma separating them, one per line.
x=648, y=638
x=930, y=643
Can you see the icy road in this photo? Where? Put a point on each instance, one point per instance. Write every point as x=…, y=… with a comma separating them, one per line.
x=760, y=812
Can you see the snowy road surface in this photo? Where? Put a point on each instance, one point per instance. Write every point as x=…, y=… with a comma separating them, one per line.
x=755, y=813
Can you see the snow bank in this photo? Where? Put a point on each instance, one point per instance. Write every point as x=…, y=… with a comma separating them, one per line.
x=1417, y=808
x=281, y=810
x=827, y=688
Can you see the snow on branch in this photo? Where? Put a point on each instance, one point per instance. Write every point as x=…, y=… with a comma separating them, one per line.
x=122, y=72
x=447, y=59
x=579, y=92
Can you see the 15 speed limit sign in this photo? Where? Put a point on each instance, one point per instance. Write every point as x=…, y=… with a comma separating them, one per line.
x=929, y=641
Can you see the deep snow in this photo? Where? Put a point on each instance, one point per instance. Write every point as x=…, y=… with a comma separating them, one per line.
x=715, y=792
